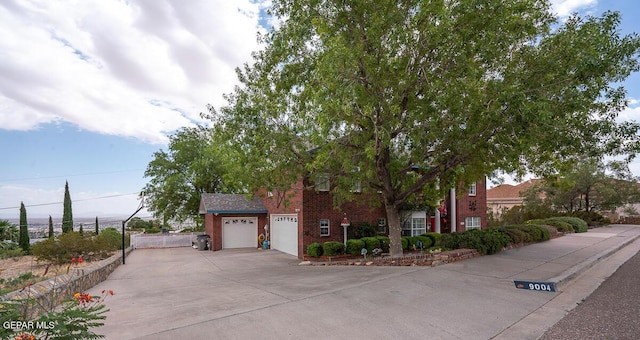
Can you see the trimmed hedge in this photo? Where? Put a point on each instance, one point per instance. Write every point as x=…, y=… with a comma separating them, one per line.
x=370, y=243
x=332, y=248
x=560, y=225
x=314, y=249
x=435, y=238
x=579, y=225
x=384, y=243
x=354, y=246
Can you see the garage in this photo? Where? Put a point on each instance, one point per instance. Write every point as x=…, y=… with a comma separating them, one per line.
x=284, y=233
x=239, y=232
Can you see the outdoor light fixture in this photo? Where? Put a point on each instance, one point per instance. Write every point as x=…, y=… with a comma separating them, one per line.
x=127, y=220
x=345, y=224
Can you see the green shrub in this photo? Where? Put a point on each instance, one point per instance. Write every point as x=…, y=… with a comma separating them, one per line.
x=559, y=225
x=452, y=241
x=489, y=241
x=494, y=240
x=332, y=248
x=517, y=235
x=8, y=250
x=592, y=218
x=354, y=246
x=578, y=224
x=370, y=243
x=314, y=249
x=435, y=238
x=360, y=230
x=537, y=233
x=152, y=230
x=405, y=242
x=426, y=241
x=384, y=243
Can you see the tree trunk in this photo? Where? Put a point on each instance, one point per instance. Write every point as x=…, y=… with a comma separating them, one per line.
x=395, y=230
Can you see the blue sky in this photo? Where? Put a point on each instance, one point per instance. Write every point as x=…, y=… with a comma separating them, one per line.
x=90, y=90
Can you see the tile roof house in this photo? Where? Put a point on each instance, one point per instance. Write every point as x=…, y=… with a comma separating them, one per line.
x=307, y=215
x=506, y=196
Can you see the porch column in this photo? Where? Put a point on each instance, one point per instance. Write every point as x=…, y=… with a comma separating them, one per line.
x=452, y=210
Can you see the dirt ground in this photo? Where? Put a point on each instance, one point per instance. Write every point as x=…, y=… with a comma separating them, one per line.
x=13, y=267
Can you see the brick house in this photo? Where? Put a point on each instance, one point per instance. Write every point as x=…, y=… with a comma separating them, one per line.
x=305, y=214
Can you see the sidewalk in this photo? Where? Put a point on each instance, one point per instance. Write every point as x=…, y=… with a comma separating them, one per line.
x=182, y=293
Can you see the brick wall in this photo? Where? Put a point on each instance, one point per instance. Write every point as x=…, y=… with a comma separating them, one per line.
x=471, y=206
x=318, y=205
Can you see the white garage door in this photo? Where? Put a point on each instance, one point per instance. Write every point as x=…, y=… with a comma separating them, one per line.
x=284, y=233
x=239, y=232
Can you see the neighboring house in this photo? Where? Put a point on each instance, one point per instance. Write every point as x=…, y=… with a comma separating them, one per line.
x=305, y=214
x=506, y=196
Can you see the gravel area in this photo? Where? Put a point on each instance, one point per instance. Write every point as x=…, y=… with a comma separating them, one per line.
x=610, y=312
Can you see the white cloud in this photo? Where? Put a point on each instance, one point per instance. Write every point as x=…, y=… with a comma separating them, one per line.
x=565, y=8
x=130, y=68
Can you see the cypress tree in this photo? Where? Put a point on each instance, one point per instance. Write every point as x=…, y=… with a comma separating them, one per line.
x=81, y=231
x=23, y=240
x=67, y=215
x=97, y=230
x=50, y=227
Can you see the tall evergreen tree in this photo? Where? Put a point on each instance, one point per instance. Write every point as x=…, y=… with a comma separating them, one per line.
x=67, y=214
x=81, y=229
x=23, y=241
x=50, y=227
x=97, y=229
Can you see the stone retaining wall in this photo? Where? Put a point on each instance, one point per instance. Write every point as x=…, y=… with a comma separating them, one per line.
x=45, y=295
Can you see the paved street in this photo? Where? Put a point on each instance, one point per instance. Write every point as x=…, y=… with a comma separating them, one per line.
x=183, y=293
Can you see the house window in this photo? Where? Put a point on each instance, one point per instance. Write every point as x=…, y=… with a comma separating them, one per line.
x=472, y=222
x=472, y=189
x=322, y=182
x=324, y=227
x=356, y=186
x=414, y=226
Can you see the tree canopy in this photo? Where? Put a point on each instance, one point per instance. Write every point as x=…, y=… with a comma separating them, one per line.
x=412, y=97
x=590, y=186
x=191, y=166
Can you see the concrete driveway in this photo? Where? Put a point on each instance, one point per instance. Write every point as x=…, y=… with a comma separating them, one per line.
x=248, y=294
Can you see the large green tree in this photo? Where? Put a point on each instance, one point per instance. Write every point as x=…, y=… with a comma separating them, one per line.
x=414, y=97
x=51, y=233
x=67, y=213
x=23, y=241
x=178, y=176
x=590, y=185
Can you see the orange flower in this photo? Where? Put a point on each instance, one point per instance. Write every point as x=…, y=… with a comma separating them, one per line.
x=25, y=336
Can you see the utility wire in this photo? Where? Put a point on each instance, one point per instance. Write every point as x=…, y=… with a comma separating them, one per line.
x=81, y=200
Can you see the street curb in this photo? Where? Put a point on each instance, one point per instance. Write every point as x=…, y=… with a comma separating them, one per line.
x=573, y=272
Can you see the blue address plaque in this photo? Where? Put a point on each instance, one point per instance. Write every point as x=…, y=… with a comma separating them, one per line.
x=539, y=286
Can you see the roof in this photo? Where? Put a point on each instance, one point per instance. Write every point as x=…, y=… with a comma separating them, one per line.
x=221, y=204
x=510, y=191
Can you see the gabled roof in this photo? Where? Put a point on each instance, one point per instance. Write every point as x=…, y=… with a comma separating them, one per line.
x=511, y=191
x=221, y=204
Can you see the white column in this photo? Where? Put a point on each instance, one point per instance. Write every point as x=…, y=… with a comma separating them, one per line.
x=452, y=210
x=437, y=221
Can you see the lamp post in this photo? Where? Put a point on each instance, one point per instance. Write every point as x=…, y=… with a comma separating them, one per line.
x=125, y=222
x=345, y=224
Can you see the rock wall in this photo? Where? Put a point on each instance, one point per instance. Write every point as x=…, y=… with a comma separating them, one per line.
x=45, y=295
